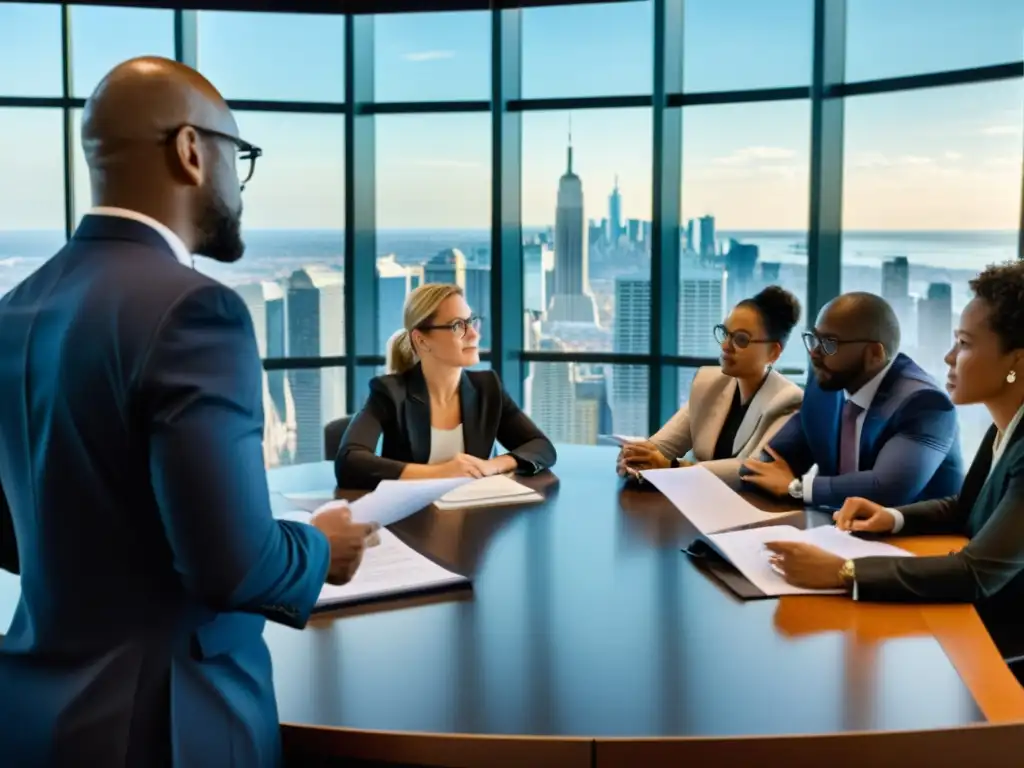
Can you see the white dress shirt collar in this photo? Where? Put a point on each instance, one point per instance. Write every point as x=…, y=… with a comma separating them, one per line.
x=1002, y=438
x=173, y=241
x=864, y=396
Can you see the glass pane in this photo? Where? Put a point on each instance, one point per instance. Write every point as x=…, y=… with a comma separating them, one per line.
x=586, y=202
x=31, y=213
x=274, y=56
x=571, y=402
x=433, y=211
x=932, y=195
x=744, y=213
x=432, y=56
x=888, y=38
x=770, y=44
x=294, y=217
x=598, y=49
x=30, y=50
x=297, y=405
x=103, y=37
x=685, y=382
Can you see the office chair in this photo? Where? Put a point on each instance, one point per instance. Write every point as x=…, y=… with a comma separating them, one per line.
x=332, y=436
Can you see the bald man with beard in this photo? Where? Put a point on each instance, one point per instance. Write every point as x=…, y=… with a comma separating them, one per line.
x=133, y=496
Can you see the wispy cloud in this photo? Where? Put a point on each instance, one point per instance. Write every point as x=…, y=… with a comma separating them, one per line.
x=428, y=55
x=747, y=155
x=442, y=162
x=949, y=155
x=881, y=160
x=1001, y=130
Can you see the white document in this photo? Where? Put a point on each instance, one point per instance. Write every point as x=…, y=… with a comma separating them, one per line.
x=389, y=569
x=746, y=551
x=619, y=439
x=707, y=502
x=492, y=491
x=395, y=500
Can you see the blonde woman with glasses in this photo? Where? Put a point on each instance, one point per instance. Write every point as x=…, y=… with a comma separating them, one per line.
x=437, y=418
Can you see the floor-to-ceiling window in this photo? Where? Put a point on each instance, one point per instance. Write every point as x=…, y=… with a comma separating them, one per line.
x=604, y=180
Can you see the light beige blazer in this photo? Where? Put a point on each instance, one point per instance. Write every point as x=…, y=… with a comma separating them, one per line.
x=696, y=426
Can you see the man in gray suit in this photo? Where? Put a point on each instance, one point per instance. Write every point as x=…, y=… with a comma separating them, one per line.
x=133, y=496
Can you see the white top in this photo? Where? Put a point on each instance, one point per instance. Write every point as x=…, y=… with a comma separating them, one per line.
x=445, y=444
x=175, y=243
x=863, y=398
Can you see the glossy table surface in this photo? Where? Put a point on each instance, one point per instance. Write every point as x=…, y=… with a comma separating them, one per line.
x=586, y=620
x=589, y=638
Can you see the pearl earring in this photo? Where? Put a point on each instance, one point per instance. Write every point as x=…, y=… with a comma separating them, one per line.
x=1011, y=377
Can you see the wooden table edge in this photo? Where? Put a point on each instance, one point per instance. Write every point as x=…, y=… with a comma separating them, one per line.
x=981, y=743
x=437, y=749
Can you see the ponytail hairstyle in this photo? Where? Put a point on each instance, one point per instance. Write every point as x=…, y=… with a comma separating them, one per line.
x=420, y=307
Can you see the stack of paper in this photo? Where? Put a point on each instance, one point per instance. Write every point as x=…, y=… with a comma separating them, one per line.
x=746, y=551
x=619, y=439
x=707, y=502
x=389, y=569
x=491, y=491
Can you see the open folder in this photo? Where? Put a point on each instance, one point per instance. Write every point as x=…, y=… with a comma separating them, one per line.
x=707, y=502
x=740, y=560
x=389, y=569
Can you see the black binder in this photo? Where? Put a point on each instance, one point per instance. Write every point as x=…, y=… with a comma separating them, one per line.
x=705, y=555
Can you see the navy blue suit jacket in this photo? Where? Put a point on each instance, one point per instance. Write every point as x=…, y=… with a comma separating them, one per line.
x=134, y=503
x=909, y=442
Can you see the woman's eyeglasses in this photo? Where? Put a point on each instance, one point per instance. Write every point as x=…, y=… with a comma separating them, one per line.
x=739, y=339
x=459, y=327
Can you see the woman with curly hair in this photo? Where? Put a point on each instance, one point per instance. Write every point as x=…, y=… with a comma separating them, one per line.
x=986, y=365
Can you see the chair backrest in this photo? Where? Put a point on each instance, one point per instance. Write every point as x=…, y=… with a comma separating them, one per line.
x=332, y=436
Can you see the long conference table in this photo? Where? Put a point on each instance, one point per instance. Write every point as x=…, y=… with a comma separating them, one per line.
x=589, y=639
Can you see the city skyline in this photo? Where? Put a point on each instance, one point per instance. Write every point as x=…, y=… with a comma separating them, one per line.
x=746, y=163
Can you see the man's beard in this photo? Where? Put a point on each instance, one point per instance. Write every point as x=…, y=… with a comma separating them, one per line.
x=220, y=231
x=834, y=381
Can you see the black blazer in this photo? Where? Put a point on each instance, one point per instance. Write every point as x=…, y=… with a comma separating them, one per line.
x=990, y=511
x=399, y=407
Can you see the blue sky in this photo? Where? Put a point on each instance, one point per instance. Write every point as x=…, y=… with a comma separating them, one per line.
x=945, y=158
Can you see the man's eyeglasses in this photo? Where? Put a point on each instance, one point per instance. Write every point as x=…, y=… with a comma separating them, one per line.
x=740, y=339
x=459, y=327
x=247, y=153
x=829, y=345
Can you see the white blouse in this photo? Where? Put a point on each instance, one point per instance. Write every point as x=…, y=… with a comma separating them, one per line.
x=445, y=444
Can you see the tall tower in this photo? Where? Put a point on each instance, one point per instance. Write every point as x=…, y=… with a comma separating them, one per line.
x=571, y=301
x=570, y=270
x=615, y=213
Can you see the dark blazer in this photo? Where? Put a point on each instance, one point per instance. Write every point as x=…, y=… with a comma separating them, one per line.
x=399, y=408
x=989, y=510
x=909, y=442
x=131, y=461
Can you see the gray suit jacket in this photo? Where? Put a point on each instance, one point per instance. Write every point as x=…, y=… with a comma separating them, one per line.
x=696, y=426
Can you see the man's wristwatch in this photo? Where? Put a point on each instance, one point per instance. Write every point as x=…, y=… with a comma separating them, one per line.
x=796, y=488
x=848, y=574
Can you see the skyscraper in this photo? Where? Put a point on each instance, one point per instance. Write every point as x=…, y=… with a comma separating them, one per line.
x=707, y=237
x=316, y=328
x=701, y=298
x=451, y=266
x=572, y=301
x=935, y=327
x=615, y=213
